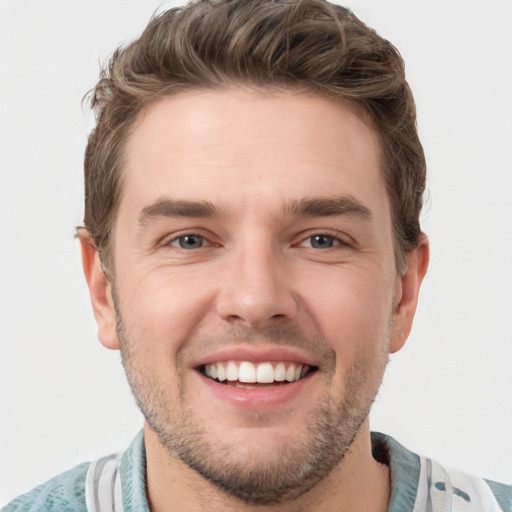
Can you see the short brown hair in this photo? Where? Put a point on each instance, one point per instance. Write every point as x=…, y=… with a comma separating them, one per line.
x=311, y=45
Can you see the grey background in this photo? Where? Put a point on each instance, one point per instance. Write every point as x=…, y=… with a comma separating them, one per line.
x=63, y=397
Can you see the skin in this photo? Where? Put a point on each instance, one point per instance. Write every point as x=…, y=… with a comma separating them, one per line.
x=259, y=288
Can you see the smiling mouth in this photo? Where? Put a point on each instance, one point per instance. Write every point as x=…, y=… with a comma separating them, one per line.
x=248, y=375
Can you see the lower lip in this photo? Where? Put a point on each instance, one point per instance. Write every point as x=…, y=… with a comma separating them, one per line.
x=257, y=398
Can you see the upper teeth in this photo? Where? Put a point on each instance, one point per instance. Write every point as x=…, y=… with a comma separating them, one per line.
x=245, y=371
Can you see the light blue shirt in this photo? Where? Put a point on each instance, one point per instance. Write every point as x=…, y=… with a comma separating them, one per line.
x=418, y=485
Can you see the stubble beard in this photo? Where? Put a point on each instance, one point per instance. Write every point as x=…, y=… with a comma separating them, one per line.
x=293, y=470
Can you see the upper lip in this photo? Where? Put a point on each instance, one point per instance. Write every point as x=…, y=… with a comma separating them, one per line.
x=257, y=355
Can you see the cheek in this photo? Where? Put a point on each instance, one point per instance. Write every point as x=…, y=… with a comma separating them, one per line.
x=163, y=308
x=351, y=308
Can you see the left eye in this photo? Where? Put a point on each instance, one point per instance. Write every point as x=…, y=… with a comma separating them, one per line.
x=189, y=241
x=321, y=241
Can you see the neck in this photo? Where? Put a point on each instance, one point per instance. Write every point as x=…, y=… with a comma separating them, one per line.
x=358, y=482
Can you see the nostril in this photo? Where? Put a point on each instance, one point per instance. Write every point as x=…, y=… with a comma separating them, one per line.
x=255, y=300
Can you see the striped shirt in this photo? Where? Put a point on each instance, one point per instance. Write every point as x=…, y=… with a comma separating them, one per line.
x=116, y=483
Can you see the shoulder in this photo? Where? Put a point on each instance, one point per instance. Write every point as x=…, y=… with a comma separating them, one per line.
x=502, y=493
x=65, y=492
x=101, y=483
x=420, y=484
x=465, y=491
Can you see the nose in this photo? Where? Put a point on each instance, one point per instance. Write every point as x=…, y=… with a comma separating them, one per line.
x=256, y=290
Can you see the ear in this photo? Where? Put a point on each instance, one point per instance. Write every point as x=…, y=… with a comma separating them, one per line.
x=407, y=292
x=100, y=291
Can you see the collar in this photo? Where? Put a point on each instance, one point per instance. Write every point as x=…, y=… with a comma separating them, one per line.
x=404, y=466
x=405, y=470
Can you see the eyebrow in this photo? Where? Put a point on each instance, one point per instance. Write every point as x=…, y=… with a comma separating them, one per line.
x=325, y=207
x=177, y=208
x=310, y=207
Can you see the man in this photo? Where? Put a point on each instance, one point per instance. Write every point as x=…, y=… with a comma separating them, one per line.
x=252, y=245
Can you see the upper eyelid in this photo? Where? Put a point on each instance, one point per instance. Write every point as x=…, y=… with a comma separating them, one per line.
x=337, y=240
x=177, y=237
x=341, y=237
x=174, y=238
x=174, y=242
x=210, y=238
x=169, y=239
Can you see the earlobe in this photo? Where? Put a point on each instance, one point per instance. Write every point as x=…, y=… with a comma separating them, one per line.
x=100, y=292
x=408, y=290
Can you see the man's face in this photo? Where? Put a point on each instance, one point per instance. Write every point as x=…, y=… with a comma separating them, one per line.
x=254, y=242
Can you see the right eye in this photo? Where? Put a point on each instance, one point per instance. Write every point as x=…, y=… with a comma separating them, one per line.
x=190, y=241
x=322, y=241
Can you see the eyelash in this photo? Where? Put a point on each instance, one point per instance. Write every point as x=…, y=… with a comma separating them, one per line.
x=179, y=241
x=336, y=241
x=175, y=242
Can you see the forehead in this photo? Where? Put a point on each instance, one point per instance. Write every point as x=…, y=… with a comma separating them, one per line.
x=232, y=147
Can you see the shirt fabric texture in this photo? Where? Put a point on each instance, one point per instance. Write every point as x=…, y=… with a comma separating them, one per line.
x=116, y=483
